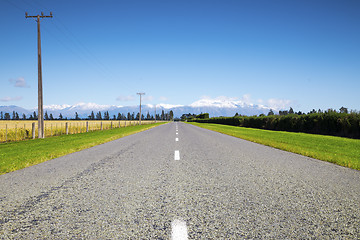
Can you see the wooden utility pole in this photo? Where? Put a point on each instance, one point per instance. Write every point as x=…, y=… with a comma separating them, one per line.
x=40, y=91
x=140, y=107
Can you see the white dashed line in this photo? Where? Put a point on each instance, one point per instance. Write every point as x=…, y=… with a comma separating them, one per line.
x=177, y=133
x=176, y=139
x=177, y=155
x=179, y=230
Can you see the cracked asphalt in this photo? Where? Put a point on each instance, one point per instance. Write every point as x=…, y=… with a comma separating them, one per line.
x=222, y=187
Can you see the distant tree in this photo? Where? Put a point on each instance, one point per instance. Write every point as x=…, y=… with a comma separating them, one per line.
x=60, y=116
x=106, y=115
x=291, y=111
x=148, y=116
x=128, y=116
x=171, y=115
x=330, y=110
x=23, y=116
x=46, y=117
x=77, y=116
x=1, y=116
x=92, y=116
x=98, y=116
x=343, y=110
x=271, y=113
x=137, y=116
x=162, y=115
x=202, y=116
x=312, y=111
x=31, y=117
x=236, y=114
x=282, y=113
x=7, y=116
x=142, y=117
x=51, y=116
x=133, y=116
x=114, y=117
x=13, y=116
x=119, y=116
x=35, y=116
x=17, y=116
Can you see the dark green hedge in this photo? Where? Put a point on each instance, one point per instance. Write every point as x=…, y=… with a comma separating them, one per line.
x=327, y=123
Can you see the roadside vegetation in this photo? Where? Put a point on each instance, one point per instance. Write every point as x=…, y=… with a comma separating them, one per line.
x=330, y=122
x=18, y=155
x=342, y=151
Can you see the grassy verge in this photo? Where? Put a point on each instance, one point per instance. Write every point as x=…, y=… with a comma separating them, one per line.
x=18, y=155
x=342, y=151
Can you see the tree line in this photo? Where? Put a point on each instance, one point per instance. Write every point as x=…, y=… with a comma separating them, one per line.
x=330, y=122
x=163, y=116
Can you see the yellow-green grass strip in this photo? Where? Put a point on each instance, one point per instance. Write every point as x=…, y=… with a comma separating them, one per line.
x=342, y=151
x=18, y=155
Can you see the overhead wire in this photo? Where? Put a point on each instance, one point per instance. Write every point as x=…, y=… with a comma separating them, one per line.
x=76, y=47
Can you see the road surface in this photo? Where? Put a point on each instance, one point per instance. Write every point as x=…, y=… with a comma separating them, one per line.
x=178, y=181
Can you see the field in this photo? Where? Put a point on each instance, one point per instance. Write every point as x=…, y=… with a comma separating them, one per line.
x=342, y=151
x=18, y=155
x=21, y=130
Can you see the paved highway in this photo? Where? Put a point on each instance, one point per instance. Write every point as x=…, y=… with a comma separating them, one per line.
x=178, y=181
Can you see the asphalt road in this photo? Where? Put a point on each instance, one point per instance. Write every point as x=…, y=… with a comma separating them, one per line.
x=214, y=187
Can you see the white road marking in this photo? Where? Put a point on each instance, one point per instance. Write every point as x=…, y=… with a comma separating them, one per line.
x=176, y=139
x=177, y=155
x=177, y=133
x=179, y=230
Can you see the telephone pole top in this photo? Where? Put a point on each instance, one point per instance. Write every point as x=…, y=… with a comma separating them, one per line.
x=40, y=91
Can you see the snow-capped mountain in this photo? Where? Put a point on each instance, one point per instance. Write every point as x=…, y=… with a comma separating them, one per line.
x=220, y=106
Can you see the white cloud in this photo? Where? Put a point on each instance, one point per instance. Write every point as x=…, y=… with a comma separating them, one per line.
x=246, y=98
x=147, y=98
x=278, y=104
x=10, y=99
x=162, y=98
x=126, y=98
x=19, y=82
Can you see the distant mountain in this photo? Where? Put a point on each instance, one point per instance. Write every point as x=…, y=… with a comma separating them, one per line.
x=215, y=107
x=19, y=110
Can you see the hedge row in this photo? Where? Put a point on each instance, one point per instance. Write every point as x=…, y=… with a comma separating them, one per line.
x=327, y=123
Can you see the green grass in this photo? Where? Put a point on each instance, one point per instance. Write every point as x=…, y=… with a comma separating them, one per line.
x=342, y=151
x=18, y=155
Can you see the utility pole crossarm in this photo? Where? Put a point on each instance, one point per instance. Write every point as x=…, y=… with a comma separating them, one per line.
x=39, y=16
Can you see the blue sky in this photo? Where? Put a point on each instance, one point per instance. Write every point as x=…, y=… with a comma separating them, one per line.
x=299, y=53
